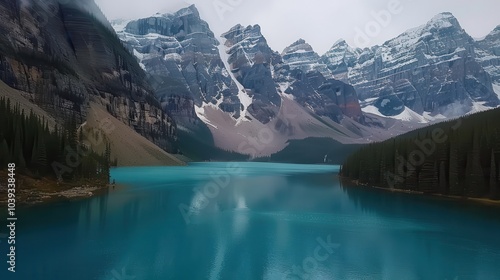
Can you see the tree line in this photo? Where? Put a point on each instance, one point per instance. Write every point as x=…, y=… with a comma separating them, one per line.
x=41, y=151
x=458, y=157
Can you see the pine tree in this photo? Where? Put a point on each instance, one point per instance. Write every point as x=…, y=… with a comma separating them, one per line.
x=41, y=158
x=107, y=162
x=71, y=130
x=475, y=184
x=4, y=154
x=493, y=176
x=442, y=178
x=34, y=152
x=17, y=150
x=428, y=177
x=454, y=184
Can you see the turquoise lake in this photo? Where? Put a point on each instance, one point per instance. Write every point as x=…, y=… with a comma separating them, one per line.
x=253, y=221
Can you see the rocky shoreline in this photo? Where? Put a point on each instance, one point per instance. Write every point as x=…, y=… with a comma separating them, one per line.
x=30, y=191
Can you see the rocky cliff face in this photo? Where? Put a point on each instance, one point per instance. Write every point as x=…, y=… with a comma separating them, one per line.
x=65, y=55
x=488, y=55
x=431, y=69
x=252, y=62
x=266, y=75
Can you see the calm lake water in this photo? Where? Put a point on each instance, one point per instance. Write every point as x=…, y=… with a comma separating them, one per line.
x=253, y=221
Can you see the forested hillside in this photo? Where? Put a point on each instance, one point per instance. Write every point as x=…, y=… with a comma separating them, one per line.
x=460, y=158
x=40, y=151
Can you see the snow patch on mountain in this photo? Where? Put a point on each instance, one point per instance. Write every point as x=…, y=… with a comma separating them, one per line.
x=245, y=100
x=411, y=116
x=119, y=24
x=200, y=112
x=496, y=88
x=282, y=90
x=434, y=118
x=407, y=115
x=479, y=107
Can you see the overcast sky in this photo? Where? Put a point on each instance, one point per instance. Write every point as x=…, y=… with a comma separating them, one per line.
x=320, y=22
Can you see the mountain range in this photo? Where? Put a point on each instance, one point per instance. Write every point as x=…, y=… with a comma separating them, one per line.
x=175, y=83
x=249, y=95
x=434, y=70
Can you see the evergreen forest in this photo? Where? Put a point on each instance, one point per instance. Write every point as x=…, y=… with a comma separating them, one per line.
x=459, y=157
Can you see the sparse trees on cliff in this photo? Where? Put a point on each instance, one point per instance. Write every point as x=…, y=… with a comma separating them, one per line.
x=28, y=142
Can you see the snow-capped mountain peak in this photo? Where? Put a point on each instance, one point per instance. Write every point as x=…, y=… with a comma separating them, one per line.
x=181, y=54
x=441, y=25
x=190, y=10
x=301, y=55
x=340, y=42
x=422, y=69
x=299, y=46
x=340, y=57
x=444, y=20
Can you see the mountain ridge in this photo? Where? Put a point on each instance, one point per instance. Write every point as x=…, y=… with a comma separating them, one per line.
x=262, y=82
x=249, y=99
x=386, y=74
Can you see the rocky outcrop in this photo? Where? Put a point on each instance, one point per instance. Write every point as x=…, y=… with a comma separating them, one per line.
x=300, y=55
x=313, y=86
x=432, y=68
x=65, y=54
x=340, y=58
